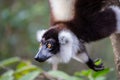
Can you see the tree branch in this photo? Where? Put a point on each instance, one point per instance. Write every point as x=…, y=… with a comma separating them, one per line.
x=115, y=39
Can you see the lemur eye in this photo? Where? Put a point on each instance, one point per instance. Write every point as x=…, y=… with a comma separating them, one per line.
x=49, y=45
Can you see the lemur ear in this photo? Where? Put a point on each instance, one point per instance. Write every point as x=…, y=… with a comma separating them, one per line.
x=65, y=37
x=39, y=34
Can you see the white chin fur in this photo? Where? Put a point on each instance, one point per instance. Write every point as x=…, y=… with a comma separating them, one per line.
x=116, y=9
x=39, y=34
x=69, y=45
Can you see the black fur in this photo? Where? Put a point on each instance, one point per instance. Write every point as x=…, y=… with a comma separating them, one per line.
x=94, y=27
x=52, y=34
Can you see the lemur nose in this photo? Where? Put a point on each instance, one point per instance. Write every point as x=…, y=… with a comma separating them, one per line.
x=36, y=58
x=40, y=59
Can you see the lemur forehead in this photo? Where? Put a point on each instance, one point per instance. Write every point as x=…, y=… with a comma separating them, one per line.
x=63, y=10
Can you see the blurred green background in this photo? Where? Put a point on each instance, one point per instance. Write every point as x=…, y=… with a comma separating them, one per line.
x=19, y=21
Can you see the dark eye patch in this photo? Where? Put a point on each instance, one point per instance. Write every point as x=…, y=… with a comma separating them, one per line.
x=50, y=44
x=53, y=43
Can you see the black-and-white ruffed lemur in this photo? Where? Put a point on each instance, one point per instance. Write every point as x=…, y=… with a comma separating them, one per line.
x=74, y=23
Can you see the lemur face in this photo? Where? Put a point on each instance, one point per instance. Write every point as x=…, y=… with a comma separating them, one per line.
x=47, y=49
x=48, y=46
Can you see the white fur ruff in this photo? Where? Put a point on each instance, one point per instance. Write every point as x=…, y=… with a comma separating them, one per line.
x=69, y=45
x=63, y=10
x=39, y=34
x=116, y=9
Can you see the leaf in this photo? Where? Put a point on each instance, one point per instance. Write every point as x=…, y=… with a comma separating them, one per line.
x=74, y=78
x=85, y=73
x=7, y=76
x=9, y=61
x=59, y=74
x=30, y=76
x=100, y=78
x=23, y=64
x=101, y=73
x=26, y=68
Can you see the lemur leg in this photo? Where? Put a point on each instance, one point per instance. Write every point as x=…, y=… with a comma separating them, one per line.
x=54, y=67
x=84, y=58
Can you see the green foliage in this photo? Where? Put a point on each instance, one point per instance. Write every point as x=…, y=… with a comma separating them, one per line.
x=91, y=75
x=9, y=61
x=63, y=75
x=7, y=75
x=25, y=70
x=30, y=76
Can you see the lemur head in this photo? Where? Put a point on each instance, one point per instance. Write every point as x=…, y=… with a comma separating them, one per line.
x=49, y=44
x=55, y=43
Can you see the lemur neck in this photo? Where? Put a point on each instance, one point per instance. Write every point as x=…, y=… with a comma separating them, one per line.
x=63, y=10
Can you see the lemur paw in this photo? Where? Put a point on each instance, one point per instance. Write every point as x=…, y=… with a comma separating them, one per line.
x=98, y=65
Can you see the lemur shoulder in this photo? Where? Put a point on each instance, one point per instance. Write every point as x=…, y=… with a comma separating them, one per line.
x=74, y=23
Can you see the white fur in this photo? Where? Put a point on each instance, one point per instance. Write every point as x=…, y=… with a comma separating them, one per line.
x=65, y=37
x=82, y=57
x=116, y=9
x=67, y=50
x=66, y=42
x=39, y=34
x=63, y=10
